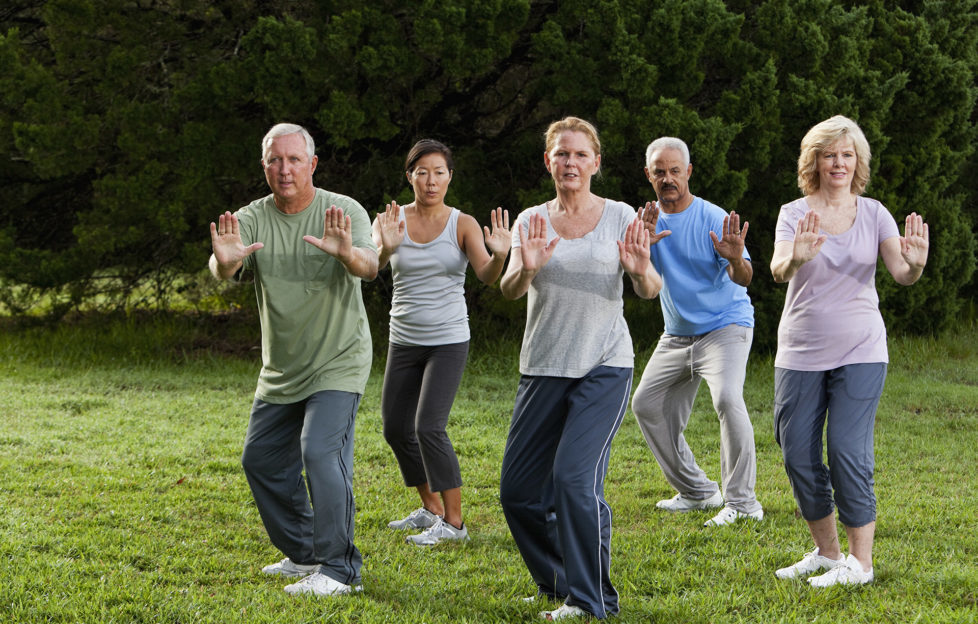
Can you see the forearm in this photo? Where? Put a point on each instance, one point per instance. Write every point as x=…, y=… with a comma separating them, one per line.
x=908, y=274
x=492, y=269
x=222, y=272
x=648, y=284
x=515, y=284
x=741, y=272
x=362, y=263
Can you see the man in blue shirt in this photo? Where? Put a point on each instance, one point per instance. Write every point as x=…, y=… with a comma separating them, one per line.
x=709, y=325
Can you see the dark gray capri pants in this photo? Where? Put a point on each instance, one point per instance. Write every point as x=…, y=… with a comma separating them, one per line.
x=420, y=383
x=843, y=401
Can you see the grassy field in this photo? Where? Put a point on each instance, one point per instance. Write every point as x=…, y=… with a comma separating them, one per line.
x=122, y=498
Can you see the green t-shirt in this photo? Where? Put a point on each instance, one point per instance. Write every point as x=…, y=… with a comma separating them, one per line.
x=314, y=331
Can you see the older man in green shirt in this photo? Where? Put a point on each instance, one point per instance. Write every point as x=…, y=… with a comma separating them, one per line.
x=309, y=249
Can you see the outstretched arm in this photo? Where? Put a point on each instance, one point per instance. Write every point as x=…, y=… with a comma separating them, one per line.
x=905, y=256
x=337, y=241
x=789, y=256
x=633, y=252
x=731, y=249
x=229, y=250
x=533, y=255
x=487, y=266
x=388, y=233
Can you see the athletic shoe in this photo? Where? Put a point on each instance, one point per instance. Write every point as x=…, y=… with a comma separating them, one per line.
x=420, y=518
x=848, y=572
x=319, y=584
x=286, y=567
x=564, y=611
x=682, y=504
x=729, y=515
x=438, y=532
x=810, y=563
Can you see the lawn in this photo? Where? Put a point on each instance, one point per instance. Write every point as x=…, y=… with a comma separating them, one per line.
x=122, y=498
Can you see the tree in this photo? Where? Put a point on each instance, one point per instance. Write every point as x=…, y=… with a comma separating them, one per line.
x=129, y=126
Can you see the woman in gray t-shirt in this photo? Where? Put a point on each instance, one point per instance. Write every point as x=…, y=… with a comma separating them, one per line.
x=569, y=256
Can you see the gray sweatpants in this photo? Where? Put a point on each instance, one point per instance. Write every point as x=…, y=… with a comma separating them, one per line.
x=315, y=434
x=663, y=403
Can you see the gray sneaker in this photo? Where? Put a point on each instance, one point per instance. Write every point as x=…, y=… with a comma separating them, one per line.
x=286, y=567
x=438, y=532
x=420, y=518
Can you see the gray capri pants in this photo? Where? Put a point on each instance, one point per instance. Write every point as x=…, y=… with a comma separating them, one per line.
x=843, y=401
x=420, y=383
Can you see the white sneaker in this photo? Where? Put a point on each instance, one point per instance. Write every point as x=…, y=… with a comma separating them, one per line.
x=438, y=532
x=810, y=563
x=286, y=567
x=319, y=584
x=562, y=612
x=848, y=572
x=682, y=504
x=729, y=515
x=420, y=518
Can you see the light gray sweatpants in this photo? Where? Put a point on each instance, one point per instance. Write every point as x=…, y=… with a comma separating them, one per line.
x=663, y=402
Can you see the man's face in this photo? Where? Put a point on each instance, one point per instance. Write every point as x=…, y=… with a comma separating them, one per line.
x=670, y=177
x=288, y=169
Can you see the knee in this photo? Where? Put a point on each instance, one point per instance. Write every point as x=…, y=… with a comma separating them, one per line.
x=647, y=406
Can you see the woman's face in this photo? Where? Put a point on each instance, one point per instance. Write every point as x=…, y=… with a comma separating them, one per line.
x=572, y=161
x=430, y=179
x=837, y=165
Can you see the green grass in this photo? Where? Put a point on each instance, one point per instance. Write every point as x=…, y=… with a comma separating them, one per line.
x=122, y=497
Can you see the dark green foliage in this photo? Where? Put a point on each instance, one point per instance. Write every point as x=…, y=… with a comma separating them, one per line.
x=127, y=126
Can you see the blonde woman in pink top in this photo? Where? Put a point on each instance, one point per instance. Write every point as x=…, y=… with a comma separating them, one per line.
x=832, y=358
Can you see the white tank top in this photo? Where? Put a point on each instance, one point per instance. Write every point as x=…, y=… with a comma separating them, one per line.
x=428, y=306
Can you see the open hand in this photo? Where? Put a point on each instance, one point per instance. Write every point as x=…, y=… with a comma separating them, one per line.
x=499, y=239
x=337, y=238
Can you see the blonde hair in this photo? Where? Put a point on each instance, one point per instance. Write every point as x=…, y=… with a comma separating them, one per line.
x=572, y=124
x=823, y=136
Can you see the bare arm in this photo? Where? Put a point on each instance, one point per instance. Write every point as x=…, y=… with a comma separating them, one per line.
x=731, y=248
x=633, y=252
x=533, y=254
x=789, y=256
x=337, y=241
x=487, y=266
x=229, y=250
x=905, y=256
x=388, y=233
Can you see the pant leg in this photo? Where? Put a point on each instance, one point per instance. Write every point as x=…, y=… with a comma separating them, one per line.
x=443, y=369
x=272, y=462
x=854, y=394
x=800, y=404
x=398, y=407
x=662, y=404
x=327, y=453
x=596, y=408
x=720, y=357
x=526, y=489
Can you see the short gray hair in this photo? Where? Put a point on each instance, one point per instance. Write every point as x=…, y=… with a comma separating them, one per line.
x=667, y=143
x=284, y=129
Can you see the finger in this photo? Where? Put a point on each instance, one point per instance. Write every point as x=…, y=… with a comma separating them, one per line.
x=727, y=227
x=713, y=237
x=743, y=230
x=506, y=219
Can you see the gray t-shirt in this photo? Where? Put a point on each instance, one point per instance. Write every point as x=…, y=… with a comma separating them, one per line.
x=575, y=316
